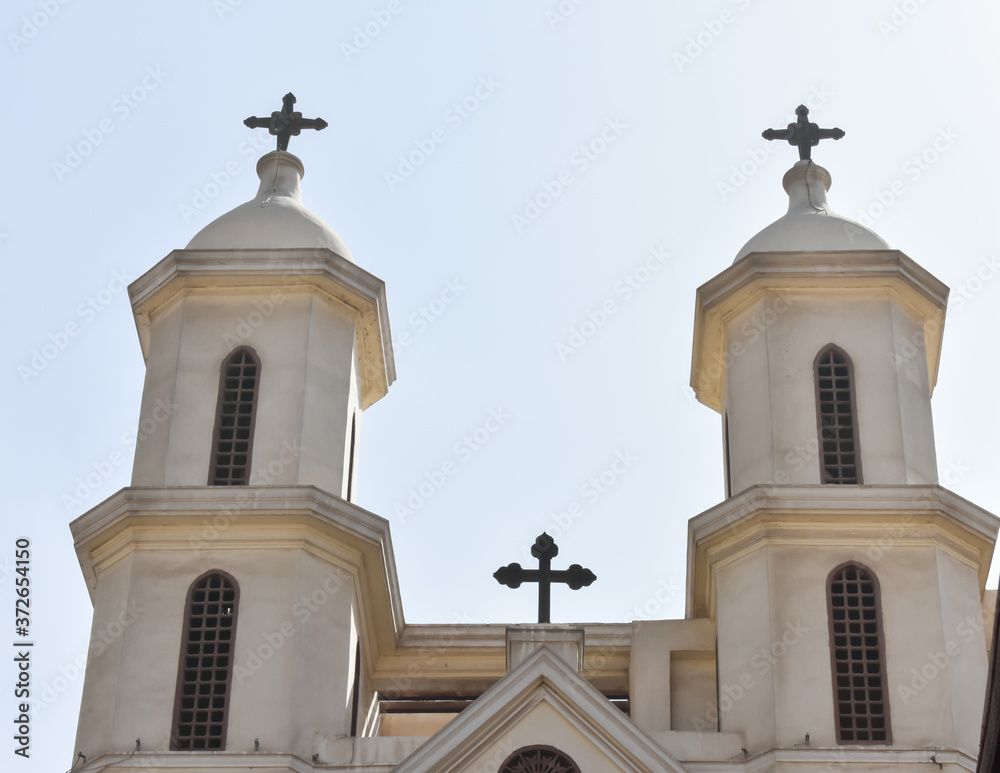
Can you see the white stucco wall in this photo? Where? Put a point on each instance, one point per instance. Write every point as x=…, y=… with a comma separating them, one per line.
x=744, y=625
x=672, y=675
x=293, y=622
x=543, y=725
x=308, y=392
x=774, y=646
x=102, y=681
x=770, y=396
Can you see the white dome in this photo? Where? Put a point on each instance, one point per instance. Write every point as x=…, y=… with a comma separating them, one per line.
x=810, y=225
x=275, y=218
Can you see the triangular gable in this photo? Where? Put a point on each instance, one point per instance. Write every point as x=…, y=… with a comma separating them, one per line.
x=541, y=702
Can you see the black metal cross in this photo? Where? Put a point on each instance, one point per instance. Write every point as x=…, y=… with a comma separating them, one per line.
x=544, y=549
x=285, y=123
x=803, y=133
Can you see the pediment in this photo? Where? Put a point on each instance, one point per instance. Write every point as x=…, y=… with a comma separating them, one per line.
x=542, y=702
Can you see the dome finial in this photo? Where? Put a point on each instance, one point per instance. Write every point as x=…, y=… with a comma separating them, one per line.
x=810, y=225
x=285, y=123
x=803, y=133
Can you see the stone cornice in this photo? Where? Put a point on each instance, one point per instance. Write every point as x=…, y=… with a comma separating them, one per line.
x=185, y=273
x=346, y=755
x=824, y=515
x=381, y=755
x=411, y=660
x=474, y=657
x=543, y=678
x=846, y=757
x=870, y=273
x=214, y=518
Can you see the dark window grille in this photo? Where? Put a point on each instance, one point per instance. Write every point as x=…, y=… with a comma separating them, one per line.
x=837, y=415
x=235, y=418
x=539, y=759
x=857, y=653
x=725, y=454
x=350, y=463
x=356, y=690
x=206, y=665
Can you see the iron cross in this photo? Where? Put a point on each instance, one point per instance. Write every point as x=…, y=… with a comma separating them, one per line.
x=285, y=123
x=803, y=133
x=544, y=549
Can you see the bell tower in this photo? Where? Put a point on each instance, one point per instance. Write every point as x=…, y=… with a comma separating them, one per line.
x=237, y=546
x=808, y=282
x=838, y=573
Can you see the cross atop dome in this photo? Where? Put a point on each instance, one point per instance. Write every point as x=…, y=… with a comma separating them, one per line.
x=803, y=133
x=285, y=123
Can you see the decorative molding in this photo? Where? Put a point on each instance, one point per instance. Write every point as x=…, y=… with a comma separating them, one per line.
x=864, y=274
x=833, y=516
x=543, y=678
x=320, y=271
x=450, y=658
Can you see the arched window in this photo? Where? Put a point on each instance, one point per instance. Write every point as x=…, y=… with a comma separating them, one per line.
x=836, y=413
x=857, y=656
x=539, y=759
x=232, y=442
x=201, y=705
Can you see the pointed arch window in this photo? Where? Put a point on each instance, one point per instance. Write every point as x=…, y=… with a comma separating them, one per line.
x=538, y=759
x=205, y=674
x=857, y=656
x=232, y=443
x=836, y=413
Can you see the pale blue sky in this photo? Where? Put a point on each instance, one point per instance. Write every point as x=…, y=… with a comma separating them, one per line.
x=669, y=97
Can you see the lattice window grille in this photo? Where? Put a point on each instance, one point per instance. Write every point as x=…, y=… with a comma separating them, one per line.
x=539, y=759
x=837, y=425
x=206, y=665
x=857, y=652
x=235, y=421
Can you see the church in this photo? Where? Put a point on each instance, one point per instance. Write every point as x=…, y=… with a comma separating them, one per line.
x=836, y=611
